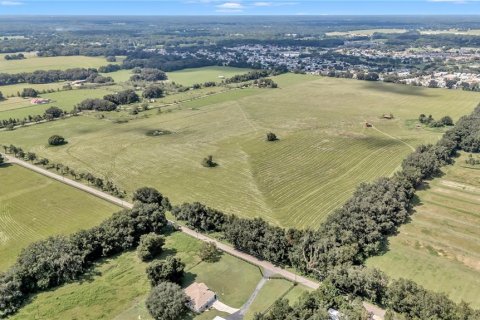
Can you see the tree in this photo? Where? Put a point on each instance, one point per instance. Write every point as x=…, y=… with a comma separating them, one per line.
x=167, y=301
x=209, y=252
x=152, y=92
x=56, y=140
x=2, y=160
x=200, y=217
x=271, y=136
x=208, y=162
x=53, y=112
x=170, y=269
x=446, y=121
x=150, y=246
x=1, y=96
x=29, y=92
x=151, y=195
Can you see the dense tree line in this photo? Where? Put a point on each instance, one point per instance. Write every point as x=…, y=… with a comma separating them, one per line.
x=18, y=56
x=43, y=76
x=265, y=83
x=148, y=74
x=429, y=121
x=252, y=75
x=48, y=263
x=96, y=104
x=109, y=68
x=123, y=97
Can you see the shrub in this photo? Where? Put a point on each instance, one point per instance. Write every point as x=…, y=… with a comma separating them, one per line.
x=271, y=136
x=56, y=140
x=150, y=246
x=208, y=162
x=167, y=301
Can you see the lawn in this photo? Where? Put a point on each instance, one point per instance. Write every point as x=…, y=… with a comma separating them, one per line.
x=33, y=63
x=117, y=287
x=33, y=207
x=324, y=150
x=13, y=89
x=271, y=291
x=440, y=248
x=188, y=77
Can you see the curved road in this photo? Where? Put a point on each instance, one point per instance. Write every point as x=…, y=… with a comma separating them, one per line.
x=379, y=313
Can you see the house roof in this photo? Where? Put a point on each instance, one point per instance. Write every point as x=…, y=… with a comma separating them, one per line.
x=199, y=295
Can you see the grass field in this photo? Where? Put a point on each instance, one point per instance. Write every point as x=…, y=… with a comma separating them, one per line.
x=33, y=63
x=323, y=153
x=15, y=88
x=33, y=207
x=117, y=287
x=188, y=77
x=440, y=248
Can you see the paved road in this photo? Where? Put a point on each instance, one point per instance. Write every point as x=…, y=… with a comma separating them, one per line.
x=226, y=248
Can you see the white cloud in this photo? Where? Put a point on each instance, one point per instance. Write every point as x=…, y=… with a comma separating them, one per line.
x=230, y=6
x=263, y=4
x=11, y=3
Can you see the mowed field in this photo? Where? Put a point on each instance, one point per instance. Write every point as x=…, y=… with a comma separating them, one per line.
x=33, y=63
x=33, y=207
x=188, y=77
x=440, y=248
x=324, y=150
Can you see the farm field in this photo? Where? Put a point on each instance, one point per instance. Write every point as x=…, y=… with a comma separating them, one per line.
x=52, y=208
x=117, y=287
x=33, y=63
x=440, y=248
x=188, y=77
x=323, y=153
x=13, y=89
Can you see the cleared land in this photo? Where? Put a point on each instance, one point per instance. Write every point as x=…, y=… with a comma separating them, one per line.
x=33, y=63
x=188, y=77
x=33, y=207
x=440, y=248
x=323, y=153
x=117, y=287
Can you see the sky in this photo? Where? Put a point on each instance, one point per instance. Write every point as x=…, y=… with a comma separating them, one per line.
x=239, y=7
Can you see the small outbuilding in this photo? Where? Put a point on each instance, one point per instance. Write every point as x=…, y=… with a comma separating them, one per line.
x=200, y=297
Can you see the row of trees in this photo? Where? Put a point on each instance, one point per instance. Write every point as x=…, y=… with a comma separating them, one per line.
x=148, y=74
x=18, y=56
x=104, y=185
x=51, y=113
x=48, y=263
x=123, y=97
x=252, y=75
x=47, y=76
x=429, y=121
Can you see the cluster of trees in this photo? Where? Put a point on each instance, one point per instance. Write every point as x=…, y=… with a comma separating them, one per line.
x=56, y=140
x=109, y=68
x=123, y=97
x=29, y=93
x=252, y=75
x=429, y=121
x=148, y=74
x=207, y=84
x=471, y=160
x=368, y=76
x=265, y=83
x=43, y=76
x=1, y=96
x=18, y=56
x=152, y=92
x=51, y=113
x=96, y=104
x=150, y=246
x=48, y=263
x=165, y=62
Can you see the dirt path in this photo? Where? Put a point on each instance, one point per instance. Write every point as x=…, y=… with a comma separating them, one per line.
x=269, y=267
x=395, y=138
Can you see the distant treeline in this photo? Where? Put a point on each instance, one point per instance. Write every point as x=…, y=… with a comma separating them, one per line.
x=321, y=43
x=42, y=76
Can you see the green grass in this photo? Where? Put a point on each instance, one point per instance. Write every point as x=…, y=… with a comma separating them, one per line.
x=188, y=77
x=13, y=89
x=33, y=207
x=33, y=63
x=440, y=248
x=271, y=291
x=117, y=287
x=323, y=153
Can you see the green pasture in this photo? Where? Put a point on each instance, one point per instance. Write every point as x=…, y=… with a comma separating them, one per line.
x=117, y=287
x=324, y=150
x=440, y=247
x=14, y=89
x=33, y=207
x=33, y=63
x=188, y=77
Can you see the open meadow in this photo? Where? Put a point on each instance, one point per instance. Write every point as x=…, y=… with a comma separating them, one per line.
x=323, y=153
x=440, y=247
x=188, y=77
x=33, y=207
x=33, y=63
